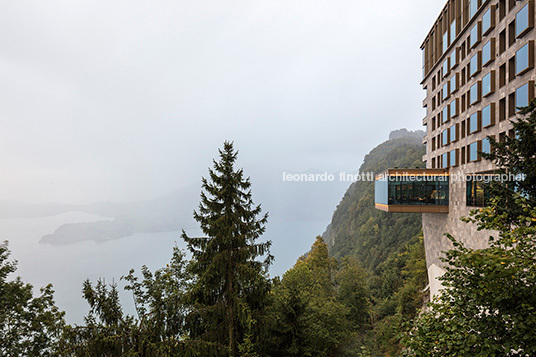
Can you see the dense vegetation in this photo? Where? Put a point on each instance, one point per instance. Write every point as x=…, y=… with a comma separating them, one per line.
x=389, y=246
x=221, y=302
x=357, y=228
x=29, y=326
x=489, y=306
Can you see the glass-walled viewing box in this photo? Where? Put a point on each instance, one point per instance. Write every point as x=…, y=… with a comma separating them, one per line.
x=413, y=190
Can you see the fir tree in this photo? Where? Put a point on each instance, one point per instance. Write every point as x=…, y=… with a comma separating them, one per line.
x=230, y=285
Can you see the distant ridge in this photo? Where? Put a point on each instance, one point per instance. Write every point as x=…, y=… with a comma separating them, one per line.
x=405, y=133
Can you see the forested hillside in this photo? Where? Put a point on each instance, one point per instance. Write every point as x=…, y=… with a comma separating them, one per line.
x=357, y=228
x=389, y=246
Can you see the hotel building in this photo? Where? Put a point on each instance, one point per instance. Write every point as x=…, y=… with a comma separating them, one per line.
x=478, y=68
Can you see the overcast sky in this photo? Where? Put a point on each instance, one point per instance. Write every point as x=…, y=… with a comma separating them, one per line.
x=122, y=100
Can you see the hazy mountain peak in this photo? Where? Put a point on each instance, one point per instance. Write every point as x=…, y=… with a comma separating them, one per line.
x=405, y=133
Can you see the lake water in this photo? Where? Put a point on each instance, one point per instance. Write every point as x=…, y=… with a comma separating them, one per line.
x=66, y=266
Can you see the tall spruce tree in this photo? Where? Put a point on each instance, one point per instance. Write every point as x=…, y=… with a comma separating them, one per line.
x=230, y=284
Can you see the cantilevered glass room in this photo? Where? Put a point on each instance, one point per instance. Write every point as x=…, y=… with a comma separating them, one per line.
x=413, y=190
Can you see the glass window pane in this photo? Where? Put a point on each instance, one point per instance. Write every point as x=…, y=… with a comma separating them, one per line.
x=380, y=192
x=486, y=53
x=453, y=58
x=453, y=133
x=453, y=31
x=522, y=20
x=522, y=96
x=474, y=35
x=445, y=161
x=522, y=58
x=469, y=192
x=486, y=21
x=473, y=65
x=453, y=158
x=423, y=62
x=443, y=198
x=445, y=114
x=445, y=41
x=473, y=122
x=445, y=67
x=473, y=151
x=446, y=91
x=473, y=93
x=486, y=146
x=486, y=84
x=453, y=84
x=453, y=111
x=445, y=136
x=486, y=116
x=477, y=193
x=473, y=7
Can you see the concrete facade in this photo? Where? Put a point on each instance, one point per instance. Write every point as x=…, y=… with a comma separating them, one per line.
x=480, y=102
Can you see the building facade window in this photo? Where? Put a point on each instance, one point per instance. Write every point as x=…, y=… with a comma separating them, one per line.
x=474, y=36
x=474, y=64
x=445, y=41
x=488, y=53
x=453, y=108
x=453, y=84
x=473, y=123
x=423, y=63
x=473, y=8
x=477, y=191
x=522, y=96
x=446, y=67
x=453, y=134
x=474, y=95
x=453, y=59
x=522, y=59
x=445, y=161
x=453, y=32
x=486, y=146
x=473, y=151
x=446, y=116
x=487, y=22
x=446, y=92
x=487, y=84
x=487, y=118
x=522, y=20
x=453, y=161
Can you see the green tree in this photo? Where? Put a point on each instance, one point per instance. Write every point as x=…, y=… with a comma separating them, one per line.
x=306, y=319
x=230, y=285
x=488, y=306
x=352, y=291
x=516, y=155
x=396, y=296
x=156, y=330
x=29, y=326
x=107, y=331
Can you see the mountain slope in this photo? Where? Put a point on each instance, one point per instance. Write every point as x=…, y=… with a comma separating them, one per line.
x=357, y=228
